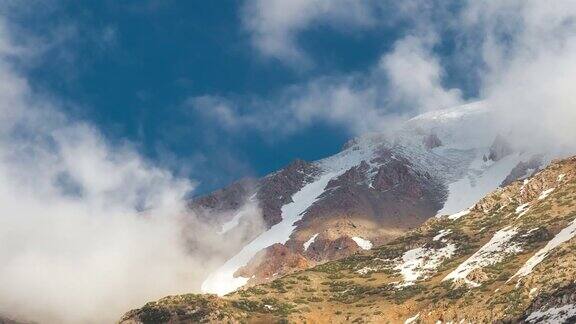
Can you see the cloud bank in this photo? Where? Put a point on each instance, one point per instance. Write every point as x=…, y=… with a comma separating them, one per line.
x=274, y=24
x=88, y=229
x=529, y=56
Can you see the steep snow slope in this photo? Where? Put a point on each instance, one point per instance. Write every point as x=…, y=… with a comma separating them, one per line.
x=223, y=281
x=481, y=178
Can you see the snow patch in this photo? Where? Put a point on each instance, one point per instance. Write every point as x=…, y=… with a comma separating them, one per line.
x=561, y=177
x=564, y=235
x=418, y=263
x=491, y=253
x=231, y=223
x=362, y=243
x=459, y=214
x=545, y=193
x=441, y=234
x=222, y=281
x=412, y=319
x=366, y=270
x=227, y=226
x=522, y=210
x=553, y=315
x=309, y=242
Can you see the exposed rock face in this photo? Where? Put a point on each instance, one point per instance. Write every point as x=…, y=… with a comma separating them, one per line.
x=478, y=276
x=566, y=295
x=272, y=192
x=269, y=193
x=326, y=249
x=500, y=149
x=373, y=203
x=269, y=263
x=277, y=189
x=229, y=198
x=524, y=170
x=432, y=141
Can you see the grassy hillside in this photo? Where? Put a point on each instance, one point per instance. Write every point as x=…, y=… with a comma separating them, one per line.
x=511, y=257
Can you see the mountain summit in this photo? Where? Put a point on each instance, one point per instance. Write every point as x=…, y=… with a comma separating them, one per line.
x=377, y=188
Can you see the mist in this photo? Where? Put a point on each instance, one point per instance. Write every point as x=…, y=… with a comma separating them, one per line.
x=529, y=53
x=88, y=229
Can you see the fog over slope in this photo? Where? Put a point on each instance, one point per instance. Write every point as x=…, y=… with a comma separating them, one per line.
x=90, y=229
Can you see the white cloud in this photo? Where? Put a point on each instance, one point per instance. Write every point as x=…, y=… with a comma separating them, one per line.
x=529, y=50
x=407, y=81
x=415, y=76
x=88, y=229
x=73, y=244
x=348, y=102
x=274, y=24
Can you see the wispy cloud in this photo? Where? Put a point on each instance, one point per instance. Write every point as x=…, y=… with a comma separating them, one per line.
x=274, y=24
x=415, y=76
x=406, y=81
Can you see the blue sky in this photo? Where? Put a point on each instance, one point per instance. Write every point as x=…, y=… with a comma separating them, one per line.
x=135, y=70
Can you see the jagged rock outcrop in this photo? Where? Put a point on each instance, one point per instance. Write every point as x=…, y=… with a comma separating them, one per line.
x=524, y=169
x=500, y=149
x=432, y=141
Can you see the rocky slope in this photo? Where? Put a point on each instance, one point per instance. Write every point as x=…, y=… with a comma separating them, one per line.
x=508, y=258
x=376, y=189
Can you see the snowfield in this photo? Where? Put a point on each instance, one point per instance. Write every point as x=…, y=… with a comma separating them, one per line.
x=481, y=179
x=362, y=243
